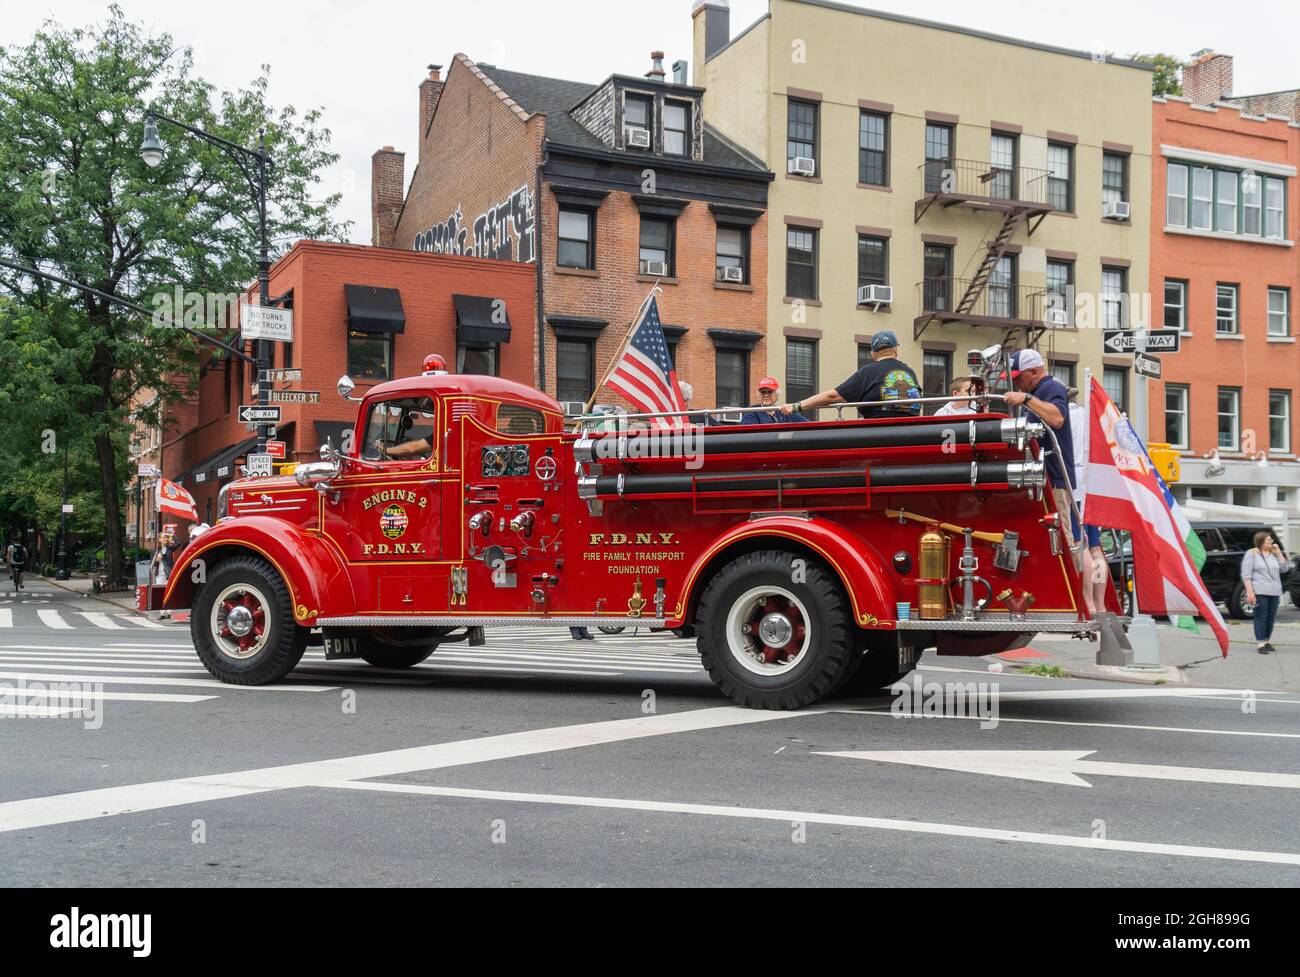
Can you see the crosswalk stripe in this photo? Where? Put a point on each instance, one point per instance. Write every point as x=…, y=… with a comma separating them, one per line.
x=207, y=683
x=101, y=621
x=6, y=618
x=54, y=619
x=63, y=694
x=143, y=622
x=27, y=711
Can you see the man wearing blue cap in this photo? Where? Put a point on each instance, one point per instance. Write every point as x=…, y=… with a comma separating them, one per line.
x=886, y=378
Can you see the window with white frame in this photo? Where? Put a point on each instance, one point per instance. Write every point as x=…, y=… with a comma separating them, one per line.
x=1060, y=189
x=1252, y=204
x=1060, y=280
x=1114, y=380
x=1229, y=417
x=1274, y=208
x=1176, y=432
x=1279, y=311
x=1176, y=195
x=1202, y=198
x=1112, y=298
x=677, y=128
x=1064, y=373
x=1225, y=201
x=1175, y=305
x=1279, y=421
x=1114, y=178
x=1225, y=310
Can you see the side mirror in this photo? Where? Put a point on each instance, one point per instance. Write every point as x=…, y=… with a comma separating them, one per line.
x=317, y=474
x=345, y=387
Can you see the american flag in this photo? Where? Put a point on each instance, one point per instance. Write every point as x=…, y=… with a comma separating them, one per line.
x=644, y=374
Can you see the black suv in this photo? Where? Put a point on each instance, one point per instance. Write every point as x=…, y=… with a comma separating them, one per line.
x=1225, y=544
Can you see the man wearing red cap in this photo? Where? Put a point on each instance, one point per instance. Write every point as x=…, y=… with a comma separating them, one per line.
x=768, y=411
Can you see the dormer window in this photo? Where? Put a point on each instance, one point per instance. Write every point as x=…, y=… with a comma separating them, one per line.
x=637, y=114
x=677, y=123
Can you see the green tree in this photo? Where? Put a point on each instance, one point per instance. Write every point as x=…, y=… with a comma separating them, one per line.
x=1166, y=79
x=76, y=199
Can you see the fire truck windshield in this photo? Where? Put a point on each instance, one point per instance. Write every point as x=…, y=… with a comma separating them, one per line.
x=399, y=429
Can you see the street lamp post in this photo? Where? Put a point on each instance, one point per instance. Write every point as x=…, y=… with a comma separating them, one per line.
x=255, y=165
x=62, y=573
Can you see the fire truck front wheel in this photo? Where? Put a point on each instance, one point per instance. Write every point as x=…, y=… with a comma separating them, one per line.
x=243, y=626
x=774, y=630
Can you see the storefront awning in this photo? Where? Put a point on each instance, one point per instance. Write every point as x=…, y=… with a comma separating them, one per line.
x=372, y=309
x=481, y=320
x=218, y=466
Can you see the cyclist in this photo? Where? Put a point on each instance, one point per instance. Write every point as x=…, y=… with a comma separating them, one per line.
x=15, y=560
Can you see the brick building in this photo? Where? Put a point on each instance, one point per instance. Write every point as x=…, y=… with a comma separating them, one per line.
x=605, y=188
x=370, y=313
x=1223, y=258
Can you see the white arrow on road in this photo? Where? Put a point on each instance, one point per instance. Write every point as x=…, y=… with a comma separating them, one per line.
x=1064, y=767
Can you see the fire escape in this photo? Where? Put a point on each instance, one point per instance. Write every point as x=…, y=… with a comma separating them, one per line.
x=1020, y=195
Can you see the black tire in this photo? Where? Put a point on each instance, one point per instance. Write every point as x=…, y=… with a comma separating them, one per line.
x=877, y=667
x=1125, y=602
x=1237, y=604
x=282, y=642
x=604, y=629
x=828, y=651
x=384, y=651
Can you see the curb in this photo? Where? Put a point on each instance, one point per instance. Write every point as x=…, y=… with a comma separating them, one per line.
x=1164, y=675
x=92, y=596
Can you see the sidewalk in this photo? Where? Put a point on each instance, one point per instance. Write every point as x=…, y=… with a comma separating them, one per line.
x=80, y=586
x=1190, y=659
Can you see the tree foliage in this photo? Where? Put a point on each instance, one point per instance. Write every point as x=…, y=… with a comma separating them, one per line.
x=1166, y=79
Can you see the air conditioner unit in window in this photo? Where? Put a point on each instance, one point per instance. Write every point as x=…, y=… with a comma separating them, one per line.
x=731, y=274
x=1058, y=317
x=572, y=408
x=1115, y=210
x=659, y=268
x=803, y=166
x=875, y=294
x=636, y=138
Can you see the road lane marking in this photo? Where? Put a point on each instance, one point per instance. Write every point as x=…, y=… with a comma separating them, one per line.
x=105, y=696
x=21, y=711
x=1064, y=767
x=142, y=622
x=109, y=801
x=52, y=619
x=6, y=618
x=842, y=820
x=1078, y=722
x=101, y=621
x=207, y=683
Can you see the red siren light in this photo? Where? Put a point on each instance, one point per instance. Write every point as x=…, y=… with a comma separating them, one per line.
x=434, y=365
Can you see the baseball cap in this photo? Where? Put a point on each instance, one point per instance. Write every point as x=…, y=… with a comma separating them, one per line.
x=768, y=383
x=883, y=340
x=1026, y=359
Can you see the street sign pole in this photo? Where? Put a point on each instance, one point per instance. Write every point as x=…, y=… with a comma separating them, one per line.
x=1142, y=631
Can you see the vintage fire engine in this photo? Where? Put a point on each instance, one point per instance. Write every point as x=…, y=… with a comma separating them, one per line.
x=806, y=559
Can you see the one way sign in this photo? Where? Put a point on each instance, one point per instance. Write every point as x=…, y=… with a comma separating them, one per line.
x=1126, y=341
x=258, y=414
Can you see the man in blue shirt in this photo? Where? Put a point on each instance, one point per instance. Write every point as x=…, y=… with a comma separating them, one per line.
x=1042, y=394
x=768, y=411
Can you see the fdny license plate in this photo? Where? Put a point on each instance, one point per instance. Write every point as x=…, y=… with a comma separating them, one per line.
x=342, y=648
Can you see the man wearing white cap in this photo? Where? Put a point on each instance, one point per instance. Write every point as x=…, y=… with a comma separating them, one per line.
x=1038, y=391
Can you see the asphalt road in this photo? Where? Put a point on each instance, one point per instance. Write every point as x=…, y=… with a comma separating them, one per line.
x=541, y=761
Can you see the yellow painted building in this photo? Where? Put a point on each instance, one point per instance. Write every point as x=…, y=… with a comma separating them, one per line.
x=998, y=189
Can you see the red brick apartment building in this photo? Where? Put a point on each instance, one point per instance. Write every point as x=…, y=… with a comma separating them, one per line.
x=605, y=188
x=370, y=313
x=1224, y=258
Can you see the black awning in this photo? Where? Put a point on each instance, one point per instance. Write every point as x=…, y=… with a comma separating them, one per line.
x=478, y=321
x=335, y=432
x=217, y=466
x=372, y=309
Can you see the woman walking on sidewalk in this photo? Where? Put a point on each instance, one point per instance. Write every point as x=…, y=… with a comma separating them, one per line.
x=1261, y=572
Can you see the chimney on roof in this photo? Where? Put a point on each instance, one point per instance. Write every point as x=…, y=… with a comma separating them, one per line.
x=712, y=28
x=387, y=180
x=679, y=72
x=1207, y=78
x=656, y=72
x=430, y=92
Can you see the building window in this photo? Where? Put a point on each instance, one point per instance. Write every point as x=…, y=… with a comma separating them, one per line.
x=657, y=240
x=1113, y=298
x=800, y=263
x=1064, y=373
x=370, y=356
x=1225, y=201
x=873, y=260
x=733, y=252
x=1279, y=311
x=1114, y=178
x=936, y=376
x=677, y=129
x=637, y=113
x=1060, y=286
x=1060, y=180
x=478, y=360
x=1252, y=204
x=1229, y=417
x=938, y=156
x=575, y=369
x=577, y=236
x=1002, y=166
x=1002, y=288
x=1202, y=197
x=937, y=289
x=873, y=149
x=1225, y=311
x=1279, y=421
x=1274, y=208
x=801, y=130
x=1176, y=195
x=1175, y=305
x=1176, y=432
x=1114, y=380
x=731, y=377
x=800, y=369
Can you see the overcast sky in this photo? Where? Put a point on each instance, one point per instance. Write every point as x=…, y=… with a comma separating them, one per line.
x=361, y=62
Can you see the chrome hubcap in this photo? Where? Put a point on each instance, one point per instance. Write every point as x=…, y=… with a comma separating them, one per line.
x=238, y=623
x=775, y=630
x=767, y=630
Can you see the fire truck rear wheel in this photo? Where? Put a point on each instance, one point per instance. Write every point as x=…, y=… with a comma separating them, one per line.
x=243, y=625
x=773, y=635
x=392, y=651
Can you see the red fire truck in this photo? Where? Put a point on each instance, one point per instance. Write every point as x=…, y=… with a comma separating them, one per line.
x=805, y=558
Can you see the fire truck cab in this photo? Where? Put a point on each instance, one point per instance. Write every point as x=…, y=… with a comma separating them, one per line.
x=806, y=559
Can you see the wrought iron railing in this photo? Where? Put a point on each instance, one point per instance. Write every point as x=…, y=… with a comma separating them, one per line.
x=990, y=181
x=996, y=301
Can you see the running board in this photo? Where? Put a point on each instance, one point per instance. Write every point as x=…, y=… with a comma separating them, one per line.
x=407, y=621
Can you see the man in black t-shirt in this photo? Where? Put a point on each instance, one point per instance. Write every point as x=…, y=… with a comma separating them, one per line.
x=885, y=378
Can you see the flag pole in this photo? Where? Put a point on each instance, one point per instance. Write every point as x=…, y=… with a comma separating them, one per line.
x=586, y=409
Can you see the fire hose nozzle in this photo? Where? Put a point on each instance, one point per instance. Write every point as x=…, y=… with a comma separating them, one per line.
x=1018, y=431
x=587, y=487
x=480, y=520
x=584, y=449
x=522, y=522
x=1026, y=474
